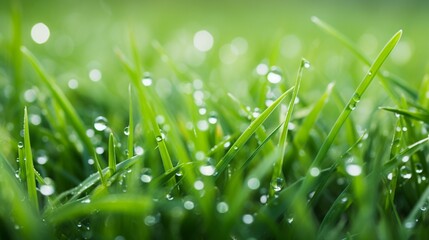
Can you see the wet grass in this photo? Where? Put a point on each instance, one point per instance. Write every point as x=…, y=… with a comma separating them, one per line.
x=164, y=149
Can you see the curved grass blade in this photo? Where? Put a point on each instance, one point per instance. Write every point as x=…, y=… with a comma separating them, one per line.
x=351, y=46
x=278, y=166
x=419, y=116
x=18, y=213
x=94, y=178
x=410, y=221
x=66, y=106
x=242, y=139
x=29, y=166
x=147, y=111
x=351, y=105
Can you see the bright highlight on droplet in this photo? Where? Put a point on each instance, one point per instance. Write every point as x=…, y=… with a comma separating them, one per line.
x=95, y=75
x=353, y=170
x=203, y=40
x=40, y=33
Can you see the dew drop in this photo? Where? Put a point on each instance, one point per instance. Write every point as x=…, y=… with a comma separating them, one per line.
x=353, y=169
x=307, y=64
x=262, y=69
x=263, y=199
x=87, y=200
x=419, y=168
x=159, y=138
x=390, y=176
x=290, y=220
x=247, y=219
x=222, y=207
x=146, y=176
x=169, y=197
x=278, y=184
x=314, y=171
x=138, y=150
x=405, y=172
x=274, y=75
x=409, y=224
x=150, y=220
x=212, y=119
x=47, y=190
x=147, y=80
x=100, y=123
x=20, y=145
x=207, y=170
x=405, y=159
x=189, y=205
x=42, y=159
x=40, y=33
x=127, y=131
x=253, y=183
x=199, y=185
x=369, y=73
x=95, y=75
x=203, y=40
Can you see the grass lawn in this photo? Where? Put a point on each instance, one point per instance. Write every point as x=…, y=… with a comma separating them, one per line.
x=213, y=120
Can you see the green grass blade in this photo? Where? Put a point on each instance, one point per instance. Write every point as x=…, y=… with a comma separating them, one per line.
x=351, y=105
x=66, y=106
x=419, y=116
x=112, y=154
x=242, y=139
x=278, y=166
x=148, y=113
x=130, y=129
x=17, y=212
x=21, y=160
x=29, y=167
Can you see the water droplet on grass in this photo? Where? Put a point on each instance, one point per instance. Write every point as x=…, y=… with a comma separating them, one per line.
x=95, y=75
x=199, y=185
x=189, y=205
x=405, y=172
x=307, y=64
x=405, y=159
x=47, y=190
x=40, y=33
x=207, y=170
x=127, y=131
x=419, y=168
x=274, y=75
x=262, y=69
x=20, y=145
x=222, y=207
x=203, y=40
x=212, y=119
x=247, y=219
x=353, y=169
x=146, y=176
x=278, y=184
x=253, y=183
x=159, y=138
x=150, y=220
x=147, y=79
x=314, y=171
x=100, y=123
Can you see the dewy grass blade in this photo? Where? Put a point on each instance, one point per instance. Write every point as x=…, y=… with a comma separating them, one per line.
x=242, y=139
x=148, y=113
x=278, y=166
x=112, y=154
x=66, y=106
x=130, y=130
x=351, y=105
x=29, y=167
x=419, y=116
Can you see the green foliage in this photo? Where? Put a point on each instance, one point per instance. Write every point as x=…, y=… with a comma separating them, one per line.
x=186, y=149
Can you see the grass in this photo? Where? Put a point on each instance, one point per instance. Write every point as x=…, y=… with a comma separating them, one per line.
x=163, y=148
